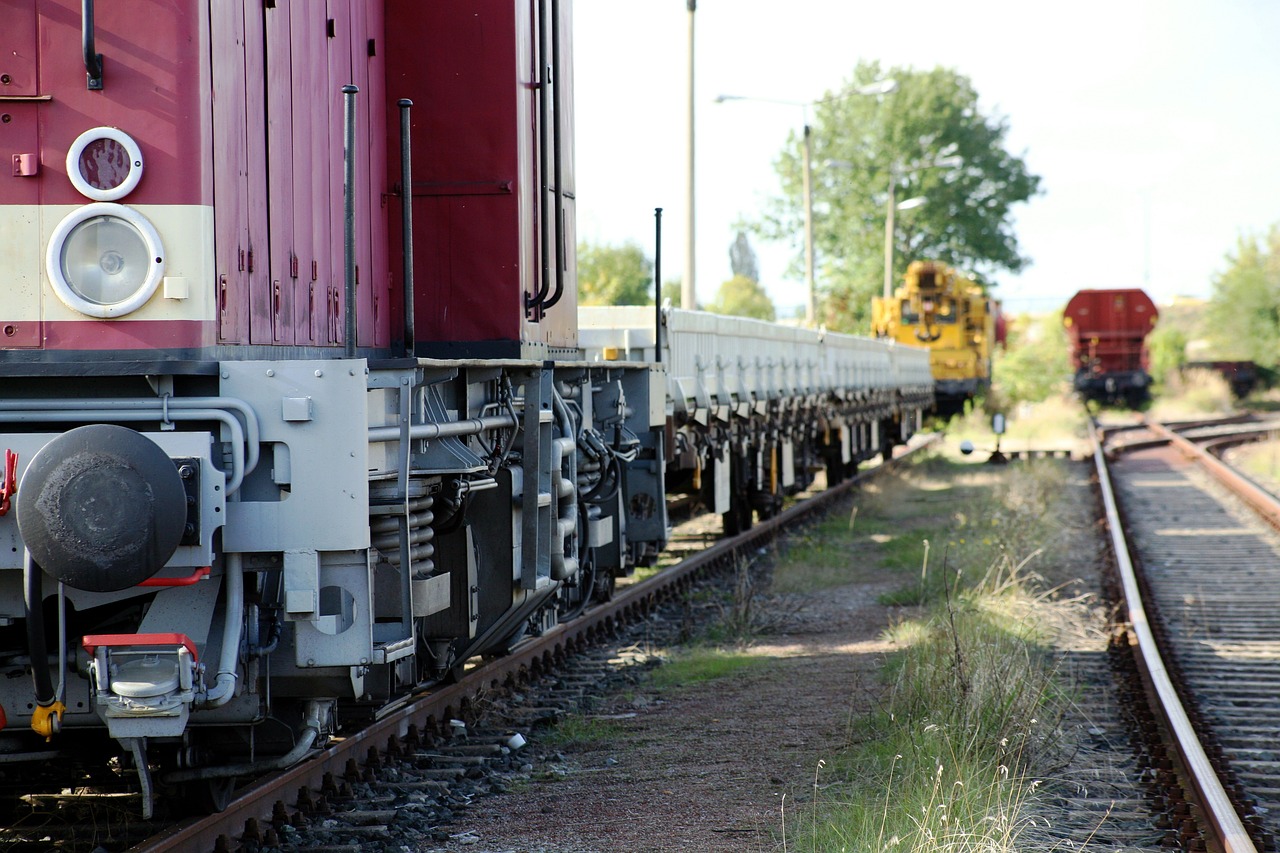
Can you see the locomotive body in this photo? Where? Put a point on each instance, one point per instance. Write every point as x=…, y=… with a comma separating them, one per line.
x=280, y=447
x=1107, y=331
x=951, y=316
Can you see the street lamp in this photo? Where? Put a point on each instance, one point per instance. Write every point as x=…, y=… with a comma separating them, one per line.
x=879, y=87
x=895, y=172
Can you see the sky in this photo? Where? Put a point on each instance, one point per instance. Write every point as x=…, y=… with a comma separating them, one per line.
x=1153, y=125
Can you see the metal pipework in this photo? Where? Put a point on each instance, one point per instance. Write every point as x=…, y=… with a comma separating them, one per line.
x=406, y=221
x=556, y=154
x=225, y=681
x=349, y=217
x=92, y=59
x=166, y=409
x=534, y=302
x=317, y=713
x=454, y=429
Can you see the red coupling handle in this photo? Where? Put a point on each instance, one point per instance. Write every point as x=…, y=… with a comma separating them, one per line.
x=9, y=487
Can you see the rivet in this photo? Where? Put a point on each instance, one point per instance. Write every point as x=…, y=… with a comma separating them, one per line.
x=319, y=373
x=271, y=373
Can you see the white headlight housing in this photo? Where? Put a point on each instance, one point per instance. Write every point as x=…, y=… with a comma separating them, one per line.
x=104, y=164
x=104, y=260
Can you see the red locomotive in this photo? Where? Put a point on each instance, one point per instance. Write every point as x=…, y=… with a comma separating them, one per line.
x=1108, y=332
x=293, y=408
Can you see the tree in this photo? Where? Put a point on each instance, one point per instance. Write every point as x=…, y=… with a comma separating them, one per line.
x=743, y=297
x=1034, y=365
x=671, y=291
x=1244, y=309
x=858, y=144
x=742, y=258
x=614, y=275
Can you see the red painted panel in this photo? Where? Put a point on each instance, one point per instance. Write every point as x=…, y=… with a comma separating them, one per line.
x=457, y=62
x=460, y=302
x=152, y=90
x=19, y=138
x=280, y=144
x=474, y=73
x=129, y=334
x=258, y=264
x=312, y=222
x=18, y=49
x=354, y=19
x=375, y=149
x=339, y=75
x=231, y=230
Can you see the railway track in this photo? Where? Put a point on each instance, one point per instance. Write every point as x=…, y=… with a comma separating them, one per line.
x=1199, y=557
x=344, y=796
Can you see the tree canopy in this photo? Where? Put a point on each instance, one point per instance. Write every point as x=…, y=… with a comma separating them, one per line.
x=858, y=144
x=743, y=297
x=614, y=275
x=1244, y=309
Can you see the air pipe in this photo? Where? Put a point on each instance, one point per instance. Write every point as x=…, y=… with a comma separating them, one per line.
x=225, y=680
x=453, y=429
x=33, y=601
x=164, y=406
x=310, y=734
x=58, y=415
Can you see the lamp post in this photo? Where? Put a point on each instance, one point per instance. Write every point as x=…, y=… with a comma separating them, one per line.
x=880, y=87
x=895, y=172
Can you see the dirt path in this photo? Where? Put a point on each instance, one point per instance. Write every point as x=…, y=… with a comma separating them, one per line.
x=725, y=765
x=707, y=767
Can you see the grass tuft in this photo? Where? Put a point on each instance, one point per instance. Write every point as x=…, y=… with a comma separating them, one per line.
x=949, y=762
x=703, y=663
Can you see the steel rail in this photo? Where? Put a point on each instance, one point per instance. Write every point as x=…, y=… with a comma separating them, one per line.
x=1258, y=499
x=219, y=831
x=1213, y=800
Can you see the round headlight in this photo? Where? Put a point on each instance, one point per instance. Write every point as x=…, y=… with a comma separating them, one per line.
x=104, y=164
x=104, y=260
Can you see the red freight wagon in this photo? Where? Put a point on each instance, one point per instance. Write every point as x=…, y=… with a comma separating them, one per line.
x=1108, y=331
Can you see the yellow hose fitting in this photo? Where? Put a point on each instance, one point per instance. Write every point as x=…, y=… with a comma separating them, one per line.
x=46, y=720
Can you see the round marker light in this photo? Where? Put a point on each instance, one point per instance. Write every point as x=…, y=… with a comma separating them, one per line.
x=104, y=164
x=104, y=260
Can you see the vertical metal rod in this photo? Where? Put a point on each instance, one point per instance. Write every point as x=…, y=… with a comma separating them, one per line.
x=349, y=215
x=657, y=285
x=406, y=220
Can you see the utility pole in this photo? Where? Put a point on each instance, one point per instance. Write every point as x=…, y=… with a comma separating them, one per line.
x=688, y=288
